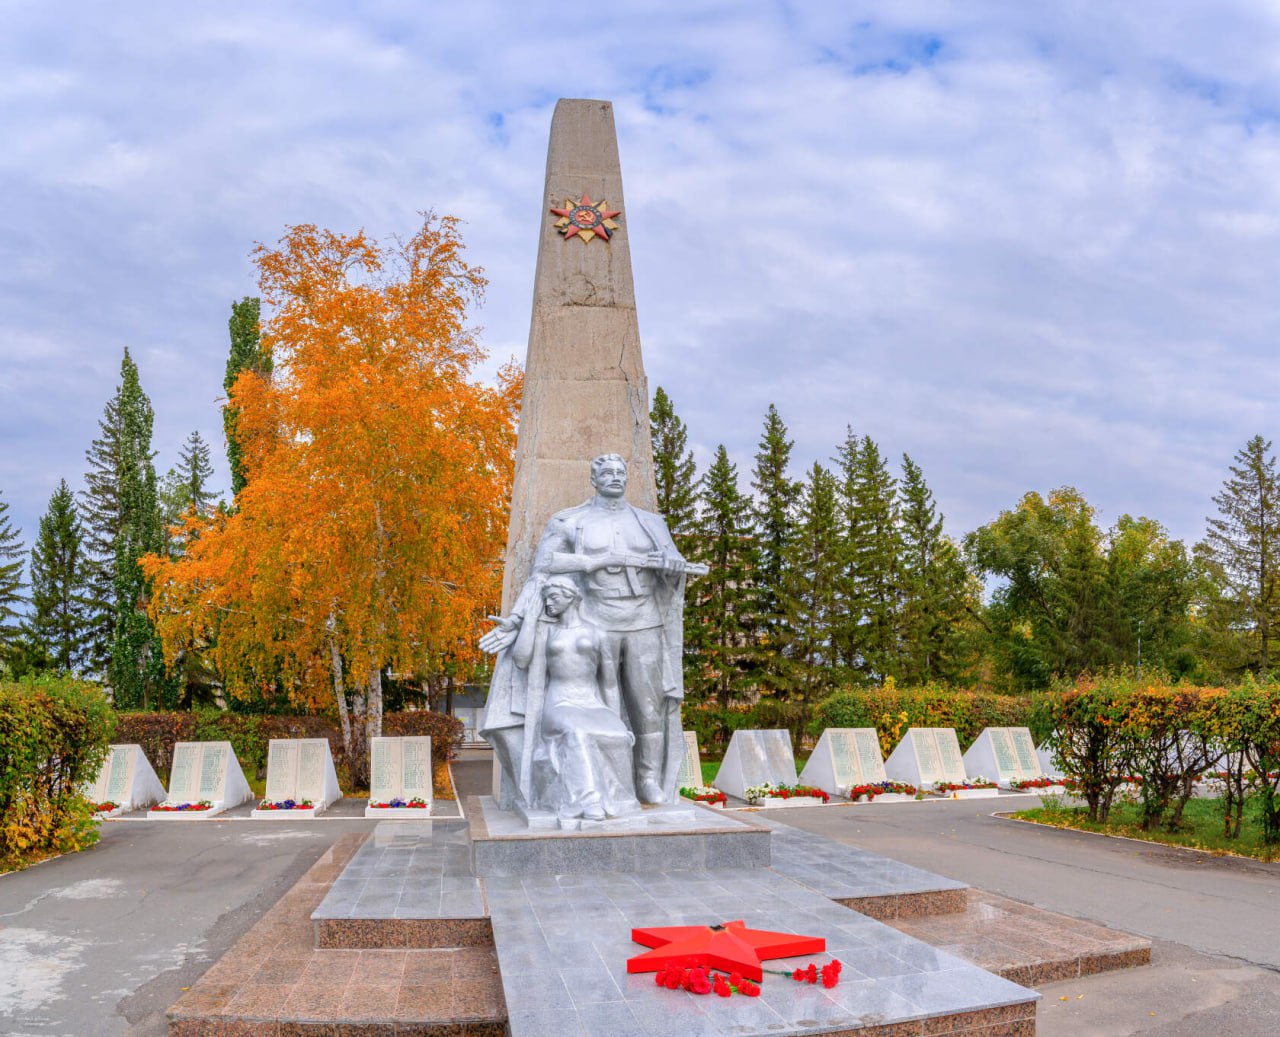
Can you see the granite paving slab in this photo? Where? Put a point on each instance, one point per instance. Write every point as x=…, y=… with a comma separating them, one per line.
x=559, y=936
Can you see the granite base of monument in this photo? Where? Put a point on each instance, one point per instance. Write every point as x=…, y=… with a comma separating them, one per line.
x=662, y=816
x=678, y=838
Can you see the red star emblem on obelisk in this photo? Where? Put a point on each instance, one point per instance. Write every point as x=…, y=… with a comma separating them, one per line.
x=586, y=219
x=731, y=947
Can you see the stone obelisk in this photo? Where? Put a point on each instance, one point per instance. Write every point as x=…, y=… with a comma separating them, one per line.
x=585, y=392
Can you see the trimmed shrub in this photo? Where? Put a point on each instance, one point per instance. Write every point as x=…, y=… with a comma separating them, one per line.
x=54, y=734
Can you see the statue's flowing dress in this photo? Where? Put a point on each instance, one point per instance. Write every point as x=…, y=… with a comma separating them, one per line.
x=585, y=759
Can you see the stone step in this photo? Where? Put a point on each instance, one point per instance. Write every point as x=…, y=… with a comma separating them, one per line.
x=1023, y=943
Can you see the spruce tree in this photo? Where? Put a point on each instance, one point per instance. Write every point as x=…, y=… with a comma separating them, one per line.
x=810, y=592
x=136, y=668
x=60, y=592
x=100, y=514
x=246, y=355
x=1243, y=544
x=936, y=586
x=186, y=485
x=776, y=496
x=12, y=554
x=870, y=587
x=674, y=470
x=719, y=626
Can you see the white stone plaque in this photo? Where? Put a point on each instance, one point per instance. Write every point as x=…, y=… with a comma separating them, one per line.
x=690, y=775
x=299, y=769
x=1003, y=755
x=203, y=771
x=843, y=758
x=399, y=768
x=126, y=778
x=926, y=755
x=756, y=757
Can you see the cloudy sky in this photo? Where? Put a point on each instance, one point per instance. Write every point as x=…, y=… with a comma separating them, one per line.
x=1029, y=244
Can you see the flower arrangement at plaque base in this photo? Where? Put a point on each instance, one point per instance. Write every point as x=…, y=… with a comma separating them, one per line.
x=1043, y=784
x=414, y=807
x=771, y=795
x=882, y=792
x=976, y=787
x=107, y=810
x=186, y=810
x=707, y=795
x=285, y=810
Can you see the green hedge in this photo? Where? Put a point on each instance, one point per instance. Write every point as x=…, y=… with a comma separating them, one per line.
x=892, y=710
x=250, y=734
x=54, y=734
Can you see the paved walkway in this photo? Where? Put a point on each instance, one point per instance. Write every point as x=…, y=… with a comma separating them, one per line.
x=1215, y=921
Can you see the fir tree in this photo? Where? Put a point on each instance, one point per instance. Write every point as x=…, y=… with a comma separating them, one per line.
x=870, y=591
x=718, y=629
x=136, y=668
x=12, y=553
x=810, y=592
x=936, y=586
x=100, y=514
x=774, y=514
x=186, y=486
x=674, y=470
x=246, y=355
x=1244, y=546
x=60, y=593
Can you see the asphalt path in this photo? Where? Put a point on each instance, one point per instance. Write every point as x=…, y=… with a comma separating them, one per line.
x=1214, y=921
x=103, y=942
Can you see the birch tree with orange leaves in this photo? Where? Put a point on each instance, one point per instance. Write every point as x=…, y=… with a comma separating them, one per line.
x=370, y=530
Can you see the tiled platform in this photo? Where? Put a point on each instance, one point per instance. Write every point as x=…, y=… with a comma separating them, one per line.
x=274, y=982
x=865, y=881
x=408, y=885
x=1027, y=944
x=563, y=942
x=691, y=838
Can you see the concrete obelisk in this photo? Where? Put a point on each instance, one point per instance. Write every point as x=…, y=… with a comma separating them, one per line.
x=585, y=392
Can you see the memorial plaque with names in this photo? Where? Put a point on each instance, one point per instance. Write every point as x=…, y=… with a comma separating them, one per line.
x=1006, y=758
x=282, y=770
x=870, y=758
x=847, y=763
x=400, y=768
x=415, y=777
x=925, y=756
x=312, y=756
x=1024, y=747
x=949, y=757
x=182, y=775
x=690, y=775
x=120, y=774
x=384, y=761
x=754, y=758
x=213, y=771
x=926, y=750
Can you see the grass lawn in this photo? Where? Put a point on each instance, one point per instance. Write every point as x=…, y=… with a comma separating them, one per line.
x=1201, y=826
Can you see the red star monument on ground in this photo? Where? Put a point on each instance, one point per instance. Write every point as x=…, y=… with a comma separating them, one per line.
x=731, y=947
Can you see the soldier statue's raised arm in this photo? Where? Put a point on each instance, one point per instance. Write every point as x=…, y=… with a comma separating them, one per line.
x=632, y=579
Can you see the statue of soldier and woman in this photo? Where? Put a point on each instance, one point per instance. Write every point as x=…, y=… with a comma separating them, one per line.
x=584, y=706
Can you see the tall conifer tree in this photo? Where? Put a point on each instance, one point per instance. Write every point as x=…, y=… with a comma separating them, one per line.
x=810, y=592
x=60, y=592
x=246, y=354
x=719, y=626
x=674, y=470
x=776, y=496
x=12, y=554
x=186, y=485
x=100, y=513
x=936, y=586
x=871, y=591
x=136, y=669
x=1243, y=544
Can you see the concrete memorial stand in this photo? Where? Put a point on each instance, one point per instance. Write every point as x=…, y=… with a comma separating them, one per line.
x=399, y=768
x=846, y=757
x=299, y=769
x=690, y=774
x=754, y=758
x=1007, y=753
x=928, y=755
x=126, y=779
x=203, y=771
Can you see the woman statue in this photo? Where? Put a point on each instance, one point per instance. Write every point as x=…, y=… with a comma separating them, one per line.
x=581, y=764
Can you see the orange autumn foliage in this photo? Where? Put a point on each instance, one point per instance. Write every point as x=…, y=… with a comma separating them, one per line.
x=379, y=471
